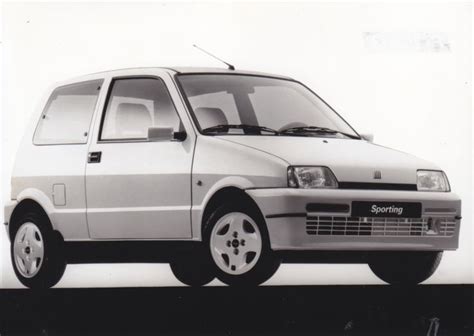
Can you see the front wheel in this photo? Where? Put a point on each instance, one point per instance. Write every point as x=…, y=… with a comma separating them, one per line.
x=239, y=245
x=404, y=268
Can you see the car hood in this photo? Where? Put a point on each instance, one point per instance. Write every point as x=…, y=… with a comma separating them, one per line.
x=349, y=159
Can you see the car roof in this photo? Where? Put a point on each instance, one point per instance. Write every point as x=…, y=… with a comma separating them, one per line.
x=192, y=70
x=172, y=71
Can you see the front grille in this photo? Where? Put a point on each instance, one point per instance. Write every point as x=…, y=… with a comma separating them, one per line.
x=377, y=227
x=377, y=186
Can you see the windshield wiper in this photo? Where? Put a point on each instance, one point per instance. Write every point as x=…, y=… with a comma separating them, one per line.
x=253, y=129
x=256, y=130
x=314, y=129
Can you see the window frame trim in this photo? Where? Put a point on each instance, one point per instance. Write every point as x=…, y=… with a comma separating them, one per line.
x=48, y=104
x=107, y=100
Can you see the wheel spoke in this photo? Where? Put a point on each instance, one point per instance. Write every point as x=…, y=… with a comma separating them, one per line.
x=28, y=265
x=220, y=241
x=37, y=253
x=218, y=250
x=234, y=225
x=237, y=260
x=21, y=262
x=37, y=245
x=34, y=264
x=242, y=220
x=252, y=243
x=37, y=239
x=18, y=250
x=30, y=234
x=222, y=258
x=21, y=236
x=237, y=225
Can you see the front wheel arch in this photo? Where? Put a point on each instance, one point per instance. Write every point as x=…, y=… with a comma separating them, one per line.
x=228, y=195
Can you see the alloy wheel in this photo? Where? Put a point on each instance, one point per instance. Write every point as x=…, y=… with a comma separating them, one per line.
x=236, y=243
x=28, y=250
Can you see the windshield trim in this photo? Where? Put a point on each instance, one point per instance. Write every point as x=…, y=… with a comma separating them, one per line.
x=193, y=116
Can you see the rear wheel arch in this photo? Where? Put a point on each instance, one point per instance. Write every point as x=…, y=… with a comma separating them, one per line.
x=25, y=206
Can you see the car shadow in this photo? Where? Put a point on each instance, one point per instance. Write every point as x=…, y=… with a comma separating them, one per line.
x=266, y=310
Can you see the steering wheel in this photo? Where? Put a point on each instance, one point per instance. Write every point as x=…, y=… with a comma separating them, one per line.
x=291, y=125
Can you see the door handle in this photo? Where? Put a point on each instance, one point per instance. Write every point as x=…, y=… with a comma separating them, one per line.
x=94, y=157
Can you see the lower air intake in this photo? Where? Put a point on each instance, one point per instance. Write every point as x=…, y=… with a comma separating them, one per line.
x=379, y=227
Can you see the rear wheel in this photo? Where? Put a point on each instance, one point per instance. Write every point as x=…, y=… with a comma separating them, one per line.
x=36, y=252
x=193, y=269
x=239, y=246
x=404, y=268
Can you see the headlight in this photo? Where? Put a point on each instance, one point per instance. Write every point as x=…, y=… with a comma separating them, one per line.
x=431, y=180
x=311, y=177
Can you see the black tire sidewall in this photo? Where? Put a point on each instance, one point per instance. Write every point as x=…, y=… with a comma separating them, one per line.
x=405, y=267
x=268, y=262
x=53, y=264
x=195, y=268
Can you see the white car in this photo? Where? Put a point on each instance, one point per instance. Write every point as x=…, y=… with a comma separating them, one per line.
x=221, y=173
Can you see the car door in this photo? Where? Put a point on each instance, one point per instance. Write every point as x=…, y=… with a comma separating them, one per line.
x=52, y=165
x=136, y=188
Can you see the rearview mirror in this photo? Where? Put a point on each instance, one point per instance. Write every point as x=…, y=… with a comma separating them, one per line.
x=160, y=134
x=367, y=136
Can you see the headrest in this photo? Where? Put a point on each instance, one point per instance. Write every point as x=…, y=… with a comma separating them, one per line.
x=133, y=120
x=210, y=116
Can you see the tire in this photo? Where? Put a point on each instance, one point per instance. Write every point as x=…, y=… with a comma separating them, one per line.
x=404, y=268
x=36, y=252
x=238, y=245
x=195, y=269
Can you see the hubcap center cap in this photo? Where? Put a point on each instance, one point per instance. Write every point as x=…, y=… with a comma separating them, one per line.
x=27, y=250
x=235, y=243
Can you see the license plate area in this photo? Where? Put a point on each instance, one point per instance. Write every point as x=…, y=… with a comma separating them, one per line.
x=386, y=209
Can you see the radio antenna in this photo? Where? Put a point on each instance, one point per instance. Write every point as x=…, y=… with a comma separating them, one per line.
x=229, y=66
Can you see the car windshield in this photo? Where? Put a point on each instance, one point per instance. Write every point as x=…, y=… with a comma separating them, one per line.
x=242, y=104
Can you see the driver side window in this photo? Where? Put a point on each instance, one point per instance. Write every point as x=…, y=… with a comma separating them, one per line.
x=136, y=104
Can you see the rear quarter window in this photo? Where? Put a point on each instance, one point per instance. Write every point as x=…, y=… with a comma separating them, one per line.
x=67, y=116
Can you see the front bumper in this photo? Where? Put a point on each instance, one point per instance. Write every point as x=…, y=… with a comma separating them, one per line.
x=292, y=227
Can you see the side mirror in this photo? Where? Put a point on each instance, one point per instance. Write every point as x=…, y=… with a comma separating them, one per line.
x=367, y=136
x=160, y=134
